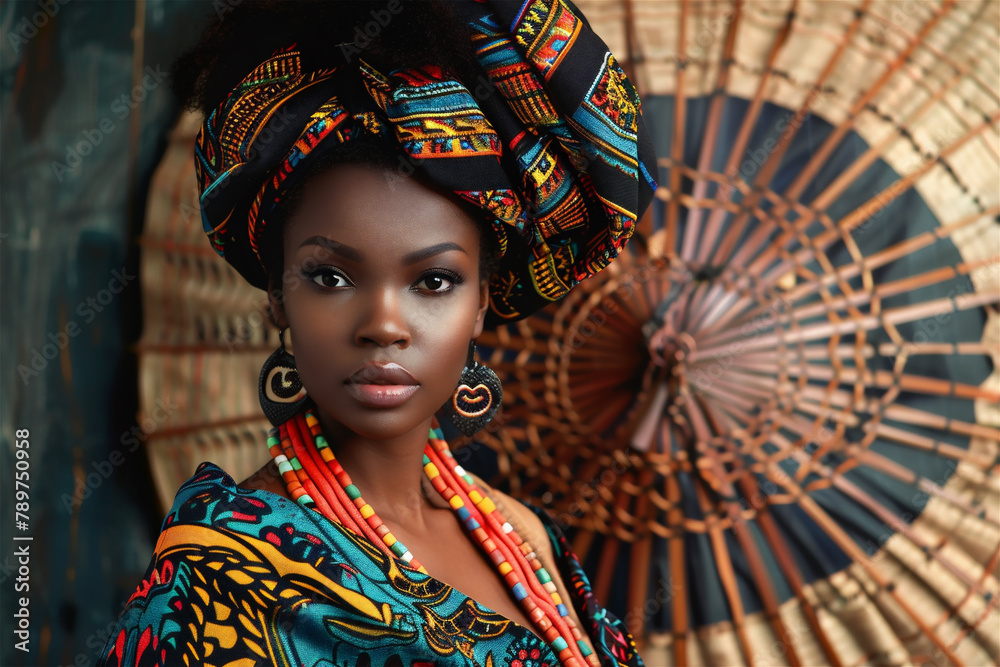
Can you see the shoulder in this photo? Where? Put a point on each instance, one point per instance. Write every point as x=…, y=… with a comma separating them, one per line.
x=267, y=478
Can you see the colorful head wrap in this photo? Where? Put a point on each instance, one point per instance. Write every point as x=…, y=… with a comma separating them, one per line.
x=549, y=142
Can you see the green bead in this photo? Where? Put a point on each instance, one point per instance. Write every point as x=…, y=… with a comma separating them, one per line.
x=295, y=464
x=543, y=576
x=352, y=492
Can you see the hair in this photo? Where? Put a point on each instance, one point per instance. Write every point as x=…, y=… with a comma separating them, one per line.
x=239, y=38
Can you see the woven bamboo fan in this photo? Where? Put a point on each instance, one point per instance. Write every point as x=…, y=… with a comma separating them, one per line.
x=773, y=422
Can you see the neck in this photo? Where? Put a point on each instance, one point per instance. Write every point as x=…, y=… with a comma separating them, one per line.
x=387, y=472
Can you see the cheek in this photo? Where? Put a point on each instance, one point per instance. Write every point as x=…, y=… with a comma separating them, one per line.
x=445, y=334
x=314, y=334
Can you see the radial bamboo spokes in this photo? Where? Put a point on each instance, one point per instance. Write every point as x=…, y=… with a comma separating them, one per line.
x=677, y=142
x=764, y=356
x=767, y=170
x=783, y=309
x=716, y=345
x=738, y=309
x=821, y=403
x=833, y=530
x=713, y=229
x=693, y=223
x=840, y=537
x=842, y=229
x=755, y=245
x=818, y=158
x=789, y=568
x=822, y=154
x=891, y=520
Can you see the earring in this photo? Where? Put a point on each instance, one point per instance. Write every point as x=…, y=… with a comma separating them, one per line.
x=477, y=398
x=280, y=390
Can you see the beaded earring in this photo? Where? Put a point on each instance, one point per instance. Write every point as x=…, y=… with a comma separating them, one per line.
x=280, y=390
x=477, y=397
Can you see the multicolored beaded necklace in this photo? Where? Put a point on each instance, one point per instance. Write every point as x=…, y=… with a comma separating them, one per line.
x=317, y=481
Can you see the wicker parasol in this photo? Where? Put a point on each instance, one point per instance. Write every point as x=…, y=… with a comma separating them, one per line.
x=778, y=411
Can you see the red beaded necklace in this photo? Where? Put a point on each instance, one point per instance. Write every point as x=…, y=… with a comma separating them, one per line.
x=316, y=480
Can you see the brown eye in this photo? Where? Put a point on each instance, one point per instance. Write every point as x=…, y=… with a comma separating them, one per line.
x=436, y=282
x=328, y=278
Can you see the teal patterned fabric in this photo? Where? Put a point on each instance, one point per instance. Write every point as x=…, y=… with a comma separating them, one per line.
x=246, y=578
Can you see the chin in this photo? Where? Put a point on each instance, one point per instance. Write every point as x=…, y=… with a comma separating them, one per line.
x=380, y=424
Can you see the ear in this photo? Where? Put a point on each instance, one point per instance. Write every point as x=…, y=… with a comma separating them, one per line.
x=484, y=304
x=276, y=303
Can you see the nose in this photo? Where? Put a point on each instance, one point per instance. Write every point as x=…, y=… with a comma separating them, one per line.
x=383, y=323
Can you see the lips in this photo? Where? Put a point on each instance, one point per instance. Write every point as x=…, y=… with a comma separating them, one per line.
x=382, y=385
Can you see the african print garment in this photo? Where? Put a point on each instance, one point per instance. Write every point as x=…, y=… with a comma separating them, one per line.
x=245, y=578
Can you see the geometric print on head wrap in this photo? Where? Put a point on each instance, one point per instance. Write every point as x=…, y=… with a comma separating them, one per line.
x=548, y=142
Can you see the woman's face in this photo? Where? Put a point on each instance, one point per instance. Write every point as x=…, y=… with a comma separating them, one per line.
x=382, y=295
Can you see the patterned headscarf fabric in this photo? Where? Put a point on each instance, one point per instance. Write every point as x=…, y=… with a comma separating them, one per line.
x=243, y=577
x=548, y=142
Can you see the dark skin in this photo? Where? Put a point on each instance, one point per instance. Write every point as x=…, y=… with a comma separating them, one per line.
x=385, y=269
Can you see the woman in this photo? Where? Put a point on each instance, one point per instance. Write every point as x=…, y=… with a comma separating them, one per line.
x=463, y=165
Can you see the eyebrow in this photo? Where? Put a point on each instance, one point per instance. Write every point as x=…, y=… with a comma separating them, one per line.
x=426, y=253
x=355, y=255
x=345, y=251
